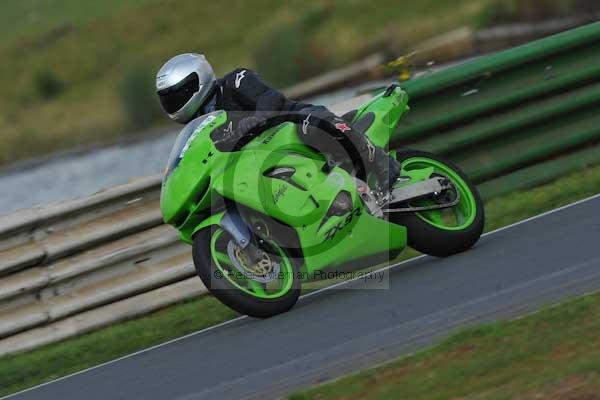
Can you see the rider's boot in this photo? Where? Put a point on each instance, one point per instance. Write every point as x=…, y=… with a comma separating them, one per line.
x=355, y=147
x=385, y=168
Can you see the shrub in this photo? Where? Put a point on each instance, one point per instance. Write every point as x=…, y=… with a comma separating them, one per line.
x=507, y=11
x=138, y=99
x=47, y=84
x=289, y=53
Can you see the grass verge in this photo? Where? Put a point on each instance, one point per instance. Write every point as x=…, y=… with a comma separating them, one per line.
x=50, y=362
x=552, y=354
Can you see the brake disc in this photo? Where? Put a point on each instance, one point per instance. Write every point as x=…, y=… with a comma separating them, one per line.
x=264, y=270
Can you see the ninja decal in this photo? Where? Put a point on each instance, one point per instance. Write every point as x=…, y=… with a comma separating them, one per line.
x=330, y=234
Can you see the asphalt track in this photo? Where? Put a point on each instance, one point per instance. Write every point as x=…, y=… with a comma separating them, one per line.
x=336, y=331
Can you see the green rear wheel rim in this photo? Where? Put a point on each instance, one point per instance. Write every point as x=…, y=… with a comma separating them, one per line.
x=279, y=286
x=455, y=218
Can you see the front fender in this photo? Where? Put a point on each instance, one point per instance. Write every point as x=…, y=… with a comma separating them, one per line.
x=231, y=222
x=188, y=236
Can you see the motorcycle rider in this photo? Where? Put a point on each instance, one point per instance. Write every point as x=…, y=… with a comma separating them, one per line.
x=188, y=88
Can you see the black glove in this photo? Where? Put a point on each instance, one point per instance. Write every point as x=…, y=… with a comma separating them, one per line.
x=249, y=124
x=230, y=139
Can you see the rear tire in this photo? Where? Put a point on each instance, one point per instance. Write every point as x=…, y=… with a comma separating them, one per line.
x=434, y=239
x=234, y=297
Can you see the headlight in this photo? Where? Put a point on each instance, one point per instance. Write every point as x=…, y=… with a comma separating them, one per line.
x=342, y=204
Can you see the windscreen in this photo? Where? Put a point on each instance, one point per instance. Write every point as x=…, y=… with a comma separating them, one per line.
x=185, y=139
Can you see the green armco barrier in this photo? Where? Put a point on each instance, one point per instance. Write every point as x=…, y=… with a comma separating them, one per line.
x=501, y=114
x=540, y=173
x=495, y=126
x=538, y=50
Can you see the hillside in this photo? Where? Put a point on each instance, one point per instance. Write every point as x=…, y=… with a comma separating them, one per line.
x=75, y=72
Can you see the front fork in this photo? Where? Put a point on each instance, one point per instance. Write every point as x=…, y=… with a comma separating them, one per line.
x=233, y=223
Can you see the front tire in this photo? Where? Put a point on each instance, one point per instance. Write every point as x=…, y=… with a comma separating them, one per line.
x=223, y=270
x=445, y=232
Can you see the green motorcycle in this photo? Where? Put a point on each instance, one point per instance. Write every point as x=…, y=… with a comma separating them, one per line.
x=272, y=212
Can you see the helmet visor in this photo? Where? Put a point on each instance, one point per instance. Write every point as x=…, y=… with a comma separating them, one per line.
x=175, y=97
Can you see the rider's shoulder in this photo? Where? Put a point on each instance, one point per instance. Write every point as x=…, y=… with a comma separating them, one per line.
x=238, y=75
x=242, y=70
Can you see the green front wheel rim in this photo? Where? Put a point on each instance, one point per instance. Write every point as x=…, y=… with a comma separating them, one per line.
x=464, y=213
x=225, y=269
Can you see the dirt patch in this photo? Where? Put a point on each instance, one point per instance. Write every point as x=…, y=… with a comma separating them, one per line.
x=576, y=387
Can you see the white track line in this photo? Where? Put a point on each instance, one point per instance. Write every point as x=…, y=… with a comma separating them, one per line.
x=337, y=285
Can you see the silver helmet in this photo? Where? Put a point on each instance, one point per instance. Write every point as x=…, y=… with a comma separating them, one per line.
x=184, y=84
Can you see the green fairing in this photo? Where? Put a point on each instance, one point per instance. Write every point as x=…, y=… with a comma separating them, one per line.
x=388, y=111
x=200, y=178
x=191, y=177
